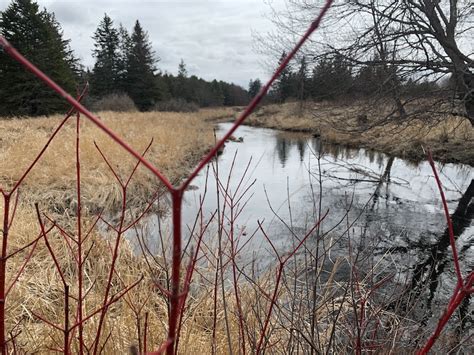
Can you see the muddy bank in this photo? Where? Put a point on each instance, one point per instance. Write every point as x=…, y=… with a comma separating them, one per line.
x=451, y=139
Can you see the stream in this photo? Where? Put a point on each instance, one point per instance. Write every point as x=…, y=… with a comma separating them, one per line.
x=389, y=206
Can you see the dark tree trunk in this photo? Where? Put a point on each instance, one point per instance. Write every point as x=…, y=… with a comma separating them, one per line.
x=468, y=79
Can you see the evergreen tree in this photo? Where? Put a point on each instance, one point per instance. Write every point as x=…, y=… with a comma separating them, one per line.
x=217, y=94
x=332, y=78
x=182, y=71
x=124, y=49
x=284, y=83
x=182, y=83
x=254, y=87
x=162, y=84
x=105, y=75
x=301, y=80
x=141, y=83
x=38, y=36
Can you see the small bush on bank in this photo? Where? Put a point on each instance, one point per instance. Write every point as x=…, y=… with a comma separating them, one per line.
x=114, y=102
x=176, y=105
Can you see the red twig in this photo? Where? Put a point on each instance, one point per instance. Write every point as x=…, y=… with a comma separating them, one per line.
x=80, y=260
x=3, y=262
x=452, y=240
x=176, y=193
x=462, y=288
x=282, y=263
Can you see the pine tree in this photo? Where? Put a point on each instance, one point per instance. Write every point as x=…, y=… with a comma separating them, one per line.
x=105, y=75
x=254, y=87
x=285, y=82
x=301, y=80
x=332, y=78
x=124, y=49
x=38, y=36
x=182, y=83
x=182, y=71
x=141, y=83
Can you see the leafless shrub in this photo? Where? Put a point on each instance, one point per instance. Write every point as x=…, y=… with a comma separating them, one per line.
x=176, y=105
x=114, y=102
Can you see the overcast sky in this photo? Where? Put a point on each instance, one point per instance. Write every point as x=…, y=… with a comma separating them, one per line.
x=213, y=37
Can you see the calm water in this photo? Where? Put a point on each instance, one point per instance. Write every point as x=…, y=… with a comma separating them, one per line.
x=281, y=178
x=387, y=208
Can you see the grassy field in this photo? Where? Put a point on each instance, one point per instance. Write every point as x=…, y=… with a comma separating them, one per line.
x=178, y=142
x=451, y=139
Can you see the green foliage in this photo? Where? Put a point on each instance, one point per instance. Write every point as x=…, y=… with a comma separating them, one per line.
x=332, y=78
x=105, y=75
x=254, y=87
x=200, y=91
x=284, y=87
x=126, y=64
x=140, y=80
x=124, y=48
x=38, y=36
x=302, y=81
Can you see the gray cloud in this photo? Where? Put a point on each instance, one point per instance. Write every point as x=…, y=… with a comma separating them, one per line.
x=213, y=37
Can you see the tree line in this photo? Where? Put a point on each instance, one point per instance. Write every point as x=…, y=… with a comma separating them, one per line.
x=399, y=46
x=125, y=63
x=335, y=78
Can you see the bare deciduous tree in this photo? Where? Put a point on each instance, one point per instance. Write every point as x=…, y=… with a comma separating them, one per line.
x=414, y=39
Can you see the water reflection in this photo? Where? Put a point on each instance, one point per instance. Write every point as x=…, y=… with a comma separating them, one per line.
x=387, y=205
x=286, y=141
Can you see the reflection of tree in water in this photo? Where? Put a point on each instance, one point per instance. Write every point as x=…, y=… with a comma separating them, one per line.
x=282, y=147
x=434, y=259
x=370, y=154
x=316, y=144
x=301, y=145
x=334, y=150
x=429, y=271
x=285, y=142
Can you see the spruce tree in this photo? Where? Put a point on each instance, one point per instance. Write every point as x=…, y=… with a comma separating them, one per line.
x=254, y=87
x=124, y=49
x=141, y=85
x=302, y=79
x=38, y=36
x=183, y=89
x=105, y=75
x=284, y=82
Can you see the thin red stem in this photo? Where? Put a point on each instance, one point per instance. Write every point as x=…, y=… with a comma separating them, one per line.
x=452, y=240
x=80, y=297
x=3, y=263
x=177, y=196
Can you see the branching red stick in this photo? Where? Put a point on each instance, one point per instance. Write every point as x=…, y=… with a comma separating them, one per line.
x=282, y=263
x=463, y=288
x=452, y=240
x=176, y=192
x=8, y=218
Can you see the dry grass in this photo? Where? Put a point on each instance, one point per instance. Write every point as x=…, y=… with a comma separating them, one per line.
x=40, y=291
x=179, y=140
x=450, y=138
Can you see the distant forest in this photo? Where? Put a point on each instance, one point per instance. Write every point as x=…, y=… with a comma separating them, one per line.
x=125, y=67
x=126, y=72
